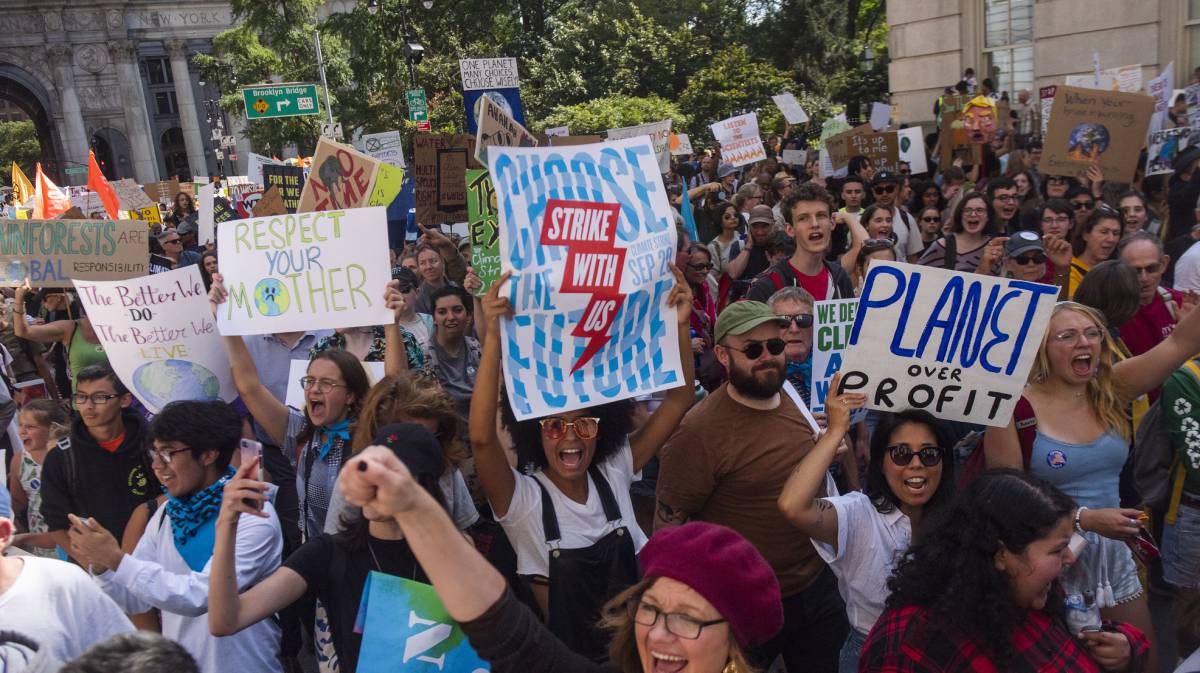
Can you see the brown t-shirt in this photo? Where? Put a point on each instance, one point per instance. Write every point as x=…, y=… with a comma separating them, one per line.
x=727, y=463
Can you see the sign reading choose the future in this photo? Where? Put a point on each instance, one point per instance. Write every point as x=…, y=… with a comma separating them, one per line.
x=280, y=100
x=958, y=345
x=288, y=273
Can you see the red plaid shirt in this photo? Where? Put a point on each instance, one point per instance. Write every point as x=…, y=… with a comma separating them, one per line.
x=905, y=640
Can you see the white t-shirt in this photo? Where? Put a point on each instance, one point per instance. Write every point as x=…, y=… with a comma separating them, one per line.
x=868, y=546
x=581, y=524
x=56, y=604
x=419, y=329
x=1187, y=269
x=907, y=242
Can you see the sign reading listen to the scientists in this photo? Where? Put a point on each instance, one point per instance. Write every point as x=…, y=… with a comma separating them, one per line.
x=588, y=235
x=160, y=337
x=53, y=252
x=958, y=345
x=288, y=273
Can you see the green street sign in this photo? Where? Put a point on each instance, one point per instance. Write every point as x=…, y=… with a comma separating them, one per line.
x=75, y=170
x=269, y=101
x=418, y=109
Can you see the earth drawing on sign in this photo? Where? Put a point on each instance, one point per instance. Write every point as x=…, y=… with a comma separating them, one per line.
x=163, y=381
x=1087, y=142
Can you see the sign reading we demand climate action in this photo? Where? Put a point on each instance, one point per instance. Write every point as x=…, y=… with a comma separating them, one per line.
x=588, y=235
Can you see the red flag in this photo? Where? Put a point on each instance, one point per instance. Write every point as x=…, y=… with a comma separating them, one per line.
x=98, y=184
x=48, y=200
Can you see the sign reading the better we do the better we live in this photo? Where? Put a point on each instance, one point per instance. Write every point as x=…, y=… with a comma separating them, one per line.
x=590, y=253
x=160, y=337
x=959, y=345
x=288, y=273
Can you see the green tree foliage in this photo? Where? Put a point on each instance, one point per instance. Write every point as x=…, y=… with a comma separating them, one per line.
x=600, y=114
x=19, y=143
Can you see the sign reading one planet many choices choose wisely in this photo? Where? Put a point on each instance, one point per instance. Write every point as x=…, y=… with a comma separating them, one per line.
x=290, y=273
x=588, y=236
x=160, y=337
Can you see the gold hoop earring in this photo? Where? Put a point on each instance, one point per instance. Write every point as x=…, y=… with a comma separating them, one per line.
x=731, y=667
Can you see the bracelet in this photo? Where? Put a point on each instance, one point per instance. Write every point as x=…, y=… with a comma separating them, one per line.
x=1079, y=511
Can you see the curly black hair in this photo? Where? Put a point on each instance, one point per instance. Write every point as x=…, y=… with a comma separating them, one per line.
x=951, y=569
x=616, y=422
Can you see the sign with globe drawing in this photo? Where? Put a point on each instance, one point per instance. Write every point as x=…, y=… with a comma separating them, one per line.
x=160, y=337
x=305, y=271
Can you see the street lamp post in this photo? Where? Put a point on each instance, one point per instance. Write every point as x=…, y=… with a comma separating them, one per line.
x=414, y=52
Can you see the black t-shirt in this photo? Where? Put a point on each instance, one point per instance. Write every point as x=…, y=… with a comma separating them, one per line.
x=335, y=575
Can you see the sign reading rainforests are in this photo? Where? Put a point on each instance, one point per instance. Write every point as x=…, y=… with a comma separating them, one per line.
x=52, y=253
x=958, y=345
x=588, y=235
x=160, y=337
x=288, y=273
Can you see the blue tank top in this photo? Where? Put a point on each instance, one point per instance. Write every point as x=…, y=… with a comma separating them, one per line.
x=1089, y=473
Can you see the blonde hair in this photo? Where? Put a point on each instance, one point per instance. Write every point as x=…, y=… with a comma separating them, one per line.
x=1104, y=399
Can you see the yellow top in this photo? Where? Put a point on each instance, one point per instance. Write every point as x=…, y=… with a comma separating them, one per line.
x=1078, y=269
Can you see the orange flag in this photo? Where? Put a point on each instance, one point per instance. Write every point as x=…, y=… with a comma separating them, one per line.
x=48, y=200
x=98, y=184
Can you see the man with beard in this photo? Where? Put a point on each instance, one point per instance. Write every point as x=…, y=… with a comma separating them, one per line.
x=727, y=464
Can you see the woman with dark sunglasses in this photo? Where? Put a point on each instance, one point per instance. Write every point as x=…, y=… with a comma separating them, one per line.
x=862, y=534
x=570, y=517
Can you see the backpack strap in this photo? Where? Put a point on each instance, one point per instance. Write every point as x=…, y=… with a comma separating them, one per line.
x=776, y=279
x=1169, y=300
x=951, y=258
x=72, y=469
x=1026, y=424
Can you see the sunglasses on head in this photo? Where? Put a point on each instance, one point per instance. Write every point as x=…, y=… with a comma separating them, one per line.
x=877, y=243
x=754, y=349
x=802, y=320
x=883, y=189
x=901, y=455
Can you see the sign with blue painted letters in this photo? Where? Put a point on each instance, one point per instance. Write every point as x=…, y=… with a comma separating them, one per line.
x=588, y=235
x=959, y=345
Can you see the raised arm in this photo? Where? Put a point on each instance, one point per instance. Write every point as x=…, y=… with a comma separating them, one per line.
x=59, y=330
x=269, y=412
x=858, y=234
x=1145, y=372
x=736, y=265
x=646, y=442
x=798, y=501
x=456, y=266
x=395, y=359
x=229, y=611
x=495, y=475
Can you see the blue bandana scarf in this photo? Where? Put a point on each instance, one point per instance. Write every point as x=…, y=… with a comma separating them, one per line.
x=333, y=432
x=188, y=515
x=800, y=374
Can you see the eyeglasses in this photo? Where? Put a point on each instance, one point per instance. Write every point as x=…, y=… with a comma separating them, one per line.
x=173, y=240
x=754, y=349
x=1150, y=269
x=901, y=455
x=164, y=455
x=802, y=320
x=931, y=220
x=1055, y=178
x=974, y=211
x=883, y=189
x=322, y=385
x=1034, y=258
x=98, y=399
x=702, y=267
x=586, y=427
x=1062, y=219
x=1091, y=334
x=1082, y=205
x=677, y=623
x=1005, y=197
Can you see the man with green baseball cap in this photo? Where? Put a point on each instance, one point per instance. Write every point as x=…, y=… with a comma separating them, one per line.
x=727, y=464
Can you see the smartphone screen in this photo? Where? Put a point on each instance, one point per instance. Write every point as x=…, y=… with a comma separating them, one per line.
x=252, y=450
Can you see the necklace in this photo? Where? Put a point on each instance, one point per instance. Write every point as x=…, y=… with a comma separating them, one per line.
x=412, y=574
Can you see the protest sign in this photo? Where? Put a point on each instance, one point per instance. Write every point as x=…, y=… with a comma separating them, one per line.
x=912, y=149
x=498, y=128
x=740, y=142
x=289, y=180
x=440, y=164
x=839, y=145
x=159, y=336
x=567, y=141
x=388, y=183
x=254, y=167
x=952, y=137
x=660, y=139
x=245, y=197
x=163, y=191
x=72, y=213
x=341, y=177
x=508, y=100
x=1192, y=96
x=398, y=617
x=294, y=397
x=1127, y=78
x=558, y=131
x=1046, y=98
x=52, y=253
x=590, y=277
x=205, y=225
x=484, y=233
x=794, y=157
x=958, y=345
x=305, y=271
x=222, y=212
x=130, y=195
x=881, y=148
x=832, y=321
x=160, y=263
x=881, y=115
x=1091, y=126
x=792, y=112
x=681, y=145
x=384, y=147
x=150, y=214
x=271, y=203
x=488, y=73
x=1164, y=145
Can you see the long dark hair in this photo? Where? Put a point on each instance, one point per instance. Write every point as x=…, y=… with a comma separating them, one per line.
x=877, y=487
x=357, y=385
x=951, y=569
x=1111, y=287
x=616, y=422
x=956, y=224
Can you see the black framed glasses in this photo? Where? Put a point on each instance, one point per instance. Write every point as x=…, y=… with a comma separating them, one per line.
x=902, y=454
x=802, y=320
x=322, y=385
x=754, y=349
x=1032, y=258
x=677, y=623
x=97, y=399
x=585, y=427
x=163, y=455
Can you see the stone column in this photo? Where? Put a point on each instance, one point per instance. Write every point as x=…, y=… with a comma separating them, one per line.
x=189, y=120
x=137, y=125
x=74, y=133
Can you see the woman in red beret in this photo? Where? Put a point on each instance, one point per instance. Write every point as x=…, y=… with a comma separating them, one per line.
x=705, y=598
